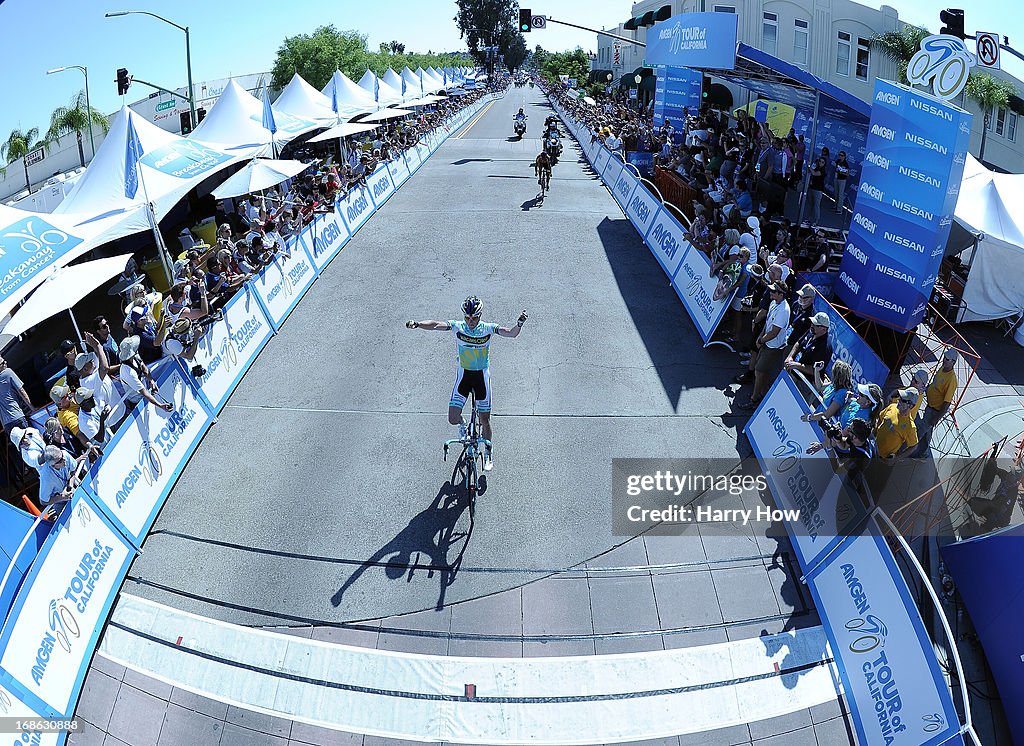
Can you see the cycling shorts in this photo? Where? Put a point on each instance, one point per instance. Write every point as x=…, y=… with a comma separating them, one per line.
x=476, y=381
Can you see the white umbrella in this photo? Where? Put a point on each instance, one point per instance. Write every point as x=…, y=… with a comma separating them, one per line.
x=424, y=101
x=343, y=130
x=589, y=100
x=259, y=174
x=62, y=289
x=385, y=114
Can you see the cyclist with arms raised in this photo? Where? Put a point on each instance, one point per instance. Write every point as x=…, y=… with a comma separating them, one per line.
x=473, y=339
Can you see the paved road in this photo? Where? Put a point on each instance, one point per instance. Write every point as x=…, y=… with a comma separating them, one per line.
x=329, y=453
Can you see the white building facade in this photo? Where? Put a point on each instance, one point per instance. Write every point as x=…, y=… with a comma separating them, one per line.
x=830, y=39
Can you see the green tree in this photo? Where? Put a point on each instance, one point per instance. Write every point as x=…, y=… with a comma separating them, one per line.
x=18, y=145
x=989, y=94
x=515, y=55
x=575, y=64
x=316, y=56
x=900, y=45
x=76, y=117
x=487, y=23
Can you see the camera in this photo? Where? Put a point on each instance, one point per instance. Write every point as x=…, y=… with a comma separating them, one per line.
x=831, y=429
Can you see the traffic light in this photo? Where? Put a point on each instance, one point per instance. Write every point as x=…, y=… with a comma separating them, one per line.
x=954, y=20
x=705, y=87
x=123, y=81
x=185, y=122
x=200, y=114
x=525, y=20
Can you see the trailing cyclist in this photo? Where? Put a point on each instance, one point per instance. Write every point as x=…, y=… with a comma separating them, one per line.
x=473, y=340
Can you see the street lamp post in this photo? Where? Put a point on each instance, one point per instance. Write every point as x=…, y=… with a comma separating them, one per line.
x=88, y=106
x=188, y=53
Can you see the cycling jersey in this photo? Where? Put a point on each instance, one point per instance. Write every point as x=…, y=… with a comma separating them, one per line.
x=473, y=344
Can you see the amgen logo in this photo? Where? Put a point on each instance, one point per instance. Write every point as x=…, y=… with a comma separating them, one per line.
x=641, y=208
x=381, y=187
x=326, y=239
x=357, y=207
x=664, y=238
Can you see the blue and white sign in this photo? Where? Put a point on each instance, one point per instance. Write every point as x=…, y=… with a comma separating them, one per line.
x=48, y=640
x=600, y=159
x=380, y=185
x=705, y=40
x=849, y=347
x=642, y=209
x=231, y=345
x=11, y=706
x=611, y=169
x=644, y=162
x=910, y=180
x=800, y=481
x=356, y=208
x=399, y=171
x=325, y=237
x=282, y=283
x=184, y=159
x=622, y=189
x=667, y=241
x=142, y=462
x=896, y=689
x=676, y=93
x=28, y=246
x=696, y=287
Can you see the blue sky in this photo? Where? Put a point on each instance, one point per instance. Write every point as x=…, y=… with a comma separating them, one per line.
x=231, y=37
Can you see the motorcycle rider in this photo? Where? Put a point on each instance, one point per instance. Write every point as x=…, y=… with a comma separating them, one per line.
x=519, y=122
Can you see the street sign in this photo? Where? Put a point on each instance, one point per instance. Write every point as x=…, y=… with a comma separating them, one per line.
x=539, y=22
x=36, y=156
x=165, y=105
x=988, y=49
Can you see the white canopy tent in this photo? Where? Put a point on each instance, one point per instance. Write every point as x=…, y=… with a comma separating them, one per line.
x=430, y=83
x=394, y=80
x=61, y=288
x=345, y=129
x=349, y=94
x=412, y=81
x=169, y=167
x=385, y=93
x=989, y=206
x=259, y=174
x=302, y=101
x=234, y=124
x=425, y=101
x=31, y=245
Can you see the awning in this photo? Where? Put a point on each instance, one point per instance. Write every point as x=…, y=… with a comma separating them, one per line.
x=379, y=116
x=647, y=19
x=259, y=174
x=343, y=130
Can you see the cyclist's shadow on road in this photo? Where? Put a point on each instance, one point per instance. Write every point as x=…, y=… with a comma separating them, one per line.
x=531, y=203
x=432, y=534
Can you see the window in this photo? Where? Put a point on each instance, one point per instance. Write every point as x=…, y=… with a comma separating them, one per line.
x=725, y=8
x=1011, y=126
x=863, y=55
x=843, y=54
x=770, y=33
x=1000, y=121
x=800, y=37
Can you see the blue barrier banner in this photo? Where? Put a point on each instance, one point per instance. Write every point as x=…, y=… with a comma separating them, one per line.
x=849, y=347
x=356, y=208
x=399, y=170
x=325, y=237
x=643, y=208
x=11, y=706
x=600, y=159
x=800, y=481
x=910, y=180
x=823, y=282
x=644, y=162
x=139, y=466
x=896, y=690
x=694, y=40
x=612, y=169
x=696, y=288
x=676, y=89
x=49, y=638
x=667, y=241
x=230, y=346
x=623, y=187
x=423, y=152
x=381, y=186
x=281, y=284
x=14, y=525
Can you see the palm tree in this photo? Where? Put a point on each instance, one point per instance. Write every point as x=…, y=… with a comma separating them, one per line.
x=75, y=117
x=900, y=45
x=18, y=145
x=989, y=94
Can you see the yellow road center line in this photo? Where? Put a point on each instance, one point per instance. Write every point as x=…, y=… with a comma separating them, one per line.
x=476, y=119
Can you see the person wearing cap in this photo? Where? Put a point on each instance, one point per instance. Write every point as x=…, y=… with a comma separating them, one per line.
x=813, y=350
x=69, y=352
x=101, y=329
x=919, y=381
x=771, y=345
x=12, y=395
x=861, y=403
x=803, y=310
x=135, y=376
x=57, y=477
x=93, y=419
x=30, y=445
x=95, y=372
x=67, y=410
x=896, y=433
x=938, y=397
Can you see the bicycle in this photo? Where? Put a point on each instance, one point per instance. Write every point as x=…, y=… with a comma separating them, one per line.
x=473, y=448
x=545, y=182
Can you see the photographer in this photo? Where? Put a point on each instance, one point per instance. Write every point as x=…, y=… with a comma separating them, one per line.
x=854, y=447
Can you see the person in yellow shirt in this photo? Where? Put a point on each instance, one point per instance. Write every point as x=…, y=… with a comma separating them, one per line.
x=938, y=399
x=67, y=411
x=896, y=433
